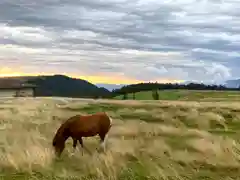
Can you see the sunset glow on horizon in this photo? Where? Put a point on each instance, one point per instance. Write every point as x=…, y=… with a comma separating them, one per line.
x=92, y=79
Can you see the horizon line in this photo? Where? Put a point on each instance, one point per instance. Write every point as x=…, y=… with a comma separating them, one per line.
x=91, y=78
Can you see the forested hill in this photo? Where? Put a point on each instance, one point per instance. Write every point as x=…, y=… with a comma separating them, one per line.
x=58, y=85
x=64, y=86
x=133, y=88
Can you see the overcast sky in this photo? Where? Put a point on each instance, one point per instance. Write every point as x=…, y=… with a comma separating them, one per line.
x=122, y=39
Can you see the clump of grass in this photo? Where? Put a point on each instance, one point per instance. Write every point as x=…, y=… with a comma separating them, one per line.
x=217, y=151
x=24, y=151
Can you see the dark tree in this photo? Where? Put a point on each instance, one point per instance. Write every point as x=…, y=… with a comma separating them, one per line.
x=125, y=96
x=155, y=94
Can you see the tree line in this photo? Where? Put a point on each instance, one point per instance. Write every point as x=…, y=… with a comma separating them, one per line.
x=154, y=87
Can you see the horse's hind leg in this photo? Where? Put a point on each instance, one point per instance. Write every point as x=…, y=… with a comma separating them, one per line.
x=103, y=138
x=83, y=147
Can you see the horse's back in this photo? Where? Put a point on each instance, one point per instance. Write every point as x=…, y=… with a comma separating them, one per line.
x=89, y=125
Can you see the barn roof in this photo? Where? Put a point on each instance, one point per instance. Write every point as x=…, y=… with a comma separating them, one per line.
x=14, y=83
x=16, y=86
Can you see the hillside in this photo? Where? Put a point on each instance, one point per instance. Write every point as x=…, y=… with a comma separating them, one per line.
x=185, y=95
x=134, y=88
x=59, y=85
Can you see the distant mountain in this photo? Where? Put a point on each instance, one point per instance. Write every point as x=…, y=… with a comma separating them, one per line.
x=199, y=82
x=110, y=87
x=59, y=85
x=233, y=83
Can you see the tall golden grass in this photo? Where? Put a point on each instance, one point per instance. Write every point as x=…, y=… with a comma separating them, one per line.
x=149, y=140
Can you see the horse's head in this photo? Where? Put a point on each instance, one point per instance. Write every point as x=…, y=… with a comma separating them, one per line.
x=58, y=144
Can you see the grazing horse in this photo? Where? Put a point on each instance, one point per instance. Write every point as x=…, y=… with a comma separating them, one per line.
x=79, y=126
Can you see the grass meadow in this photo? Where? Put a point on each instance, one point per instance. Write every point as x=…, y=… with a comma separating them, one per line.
x=157, y=140
x=187, y=95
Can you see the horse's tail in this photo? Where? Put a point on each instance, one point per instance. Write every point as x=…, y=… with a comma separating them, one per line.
x=110, y=119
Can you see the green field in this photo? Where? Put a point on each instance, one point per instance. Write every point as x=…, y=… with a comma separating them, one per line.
x=187, y=95
x=157, y=140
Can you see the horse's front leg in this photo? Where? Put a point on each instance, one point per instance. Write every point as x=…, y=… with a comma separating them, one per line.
x=74, y=146
x=81, y=143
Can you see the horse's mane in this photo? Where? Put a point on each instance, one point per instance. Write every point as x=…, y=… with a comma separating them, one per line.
x=60, y=132
x=62, y=129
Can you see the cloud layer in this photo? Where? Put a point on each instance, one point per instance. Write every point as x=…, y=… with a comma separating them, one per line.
x=136, y=39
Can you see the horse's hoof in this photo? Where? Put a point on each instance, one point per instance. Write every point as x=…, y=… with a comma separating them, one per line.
x=72, y=154
x=99, y=150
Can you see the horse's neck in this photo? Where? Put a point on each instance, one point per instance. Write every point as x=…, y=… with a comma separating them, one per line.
x=64, y=134
x=61, y=133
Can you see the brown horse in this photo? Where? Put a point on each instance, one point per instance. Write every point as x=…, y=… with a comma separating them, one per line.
x=79, y=126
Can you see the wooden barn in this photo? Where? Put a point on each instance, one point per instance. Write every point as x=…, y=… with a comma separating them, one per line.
x=17, y=90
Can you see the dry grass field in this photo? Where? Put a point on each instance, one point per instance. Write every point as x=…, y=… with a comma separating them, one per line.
x=149, y=140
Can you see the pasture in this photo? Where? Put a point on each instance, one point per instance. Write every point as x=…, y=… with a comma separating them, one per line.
x=187, y=95
x=162, y=140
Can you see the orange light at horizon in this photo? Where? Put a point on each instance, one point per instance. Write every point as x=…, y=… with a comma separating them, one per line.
x=106, y=79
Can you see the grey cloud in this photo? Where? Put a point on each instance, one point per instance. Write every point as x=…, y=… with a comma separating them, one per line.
x=119, y=26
